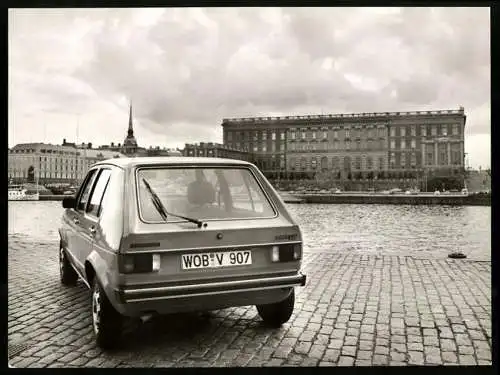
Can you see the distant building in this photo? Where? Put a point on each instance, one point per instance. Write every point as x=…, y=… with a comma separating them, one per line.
x=130, y=147
x=157, y=151
x=215, y=150
x=51, y=164
x=387, y=145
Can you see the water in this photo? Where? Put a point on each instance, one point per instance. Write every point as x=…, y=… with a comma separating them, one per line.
x=422, y=231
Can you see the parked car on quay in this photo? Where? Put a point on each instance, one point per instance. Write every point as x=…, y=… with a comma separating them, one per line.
x=162, y=235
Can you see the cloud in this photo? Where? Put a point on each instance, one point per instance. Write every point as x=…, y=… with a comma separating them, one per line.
x=188, y=68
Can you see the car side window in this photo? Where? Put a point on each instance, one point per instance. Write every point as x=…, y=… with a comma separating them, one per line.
x=84, y=196
x=94, y=206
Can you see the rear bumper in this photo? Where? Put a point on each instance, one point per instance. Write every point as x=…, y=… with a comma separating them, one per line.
x=132, y=295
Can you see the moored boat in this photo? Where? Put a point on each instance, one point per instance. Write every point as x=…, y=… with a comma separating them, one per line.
x=19, y=193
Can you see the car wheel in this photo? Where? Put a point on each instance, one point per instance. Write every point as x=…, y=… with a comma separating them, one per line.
x=107, y=323
x=275, y=314
x=68, y=275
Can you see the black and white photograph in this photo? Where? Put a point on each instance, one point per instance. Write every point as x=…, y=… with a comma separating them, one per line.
x=249, y=187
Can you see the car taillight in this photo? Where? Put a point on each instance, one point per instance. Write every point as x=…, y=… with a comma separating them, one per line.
x=286, y=253
x=140, y=263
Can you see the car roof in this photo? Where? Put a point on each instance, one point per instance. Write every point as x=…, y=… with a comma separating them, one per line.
x=169, y=160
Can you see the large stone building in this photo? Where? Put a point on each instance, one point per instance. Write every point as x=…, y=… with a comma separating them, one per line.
x=362, y=146
x=49, y=164
x=215, y=150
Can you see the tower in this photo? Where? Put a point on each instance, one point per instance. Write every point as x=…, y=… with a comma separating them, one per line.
x=130, y=144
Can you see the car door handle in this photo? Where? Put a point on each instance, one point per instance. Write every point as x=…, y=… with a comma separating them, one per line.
x=92, y=230
x=76, y=221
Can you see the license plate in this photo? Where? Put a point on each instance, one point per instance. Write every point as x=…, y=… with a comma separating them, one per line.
x=215, y=260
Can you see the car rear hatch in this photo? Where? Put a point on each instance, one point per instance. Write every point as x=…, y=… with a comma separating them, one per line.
x=229, y=250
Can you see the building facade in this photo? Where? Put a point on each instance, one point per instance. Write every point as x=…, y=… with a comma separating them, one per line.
x=215, y=150
x=388, y=145
x=50, y=164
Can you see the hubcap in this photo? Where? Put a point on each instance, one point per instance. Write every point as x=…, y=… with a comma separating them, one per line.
x=96, y=309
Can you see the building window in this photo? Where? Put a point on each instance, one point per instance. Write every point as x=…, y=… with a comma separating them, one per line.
x=256, y=136
x=358, y=145
x=403, y=131
x=381, y=163
x=325, y=134
x=381, y=132
x=303, y=163
x=369, y=144
x=273, y=135
x=347, y=133
x=229, y=136
x=282, y=136
x=264, y=135
x=444, y=129
x=273, y=147
x=335, y=162
x=347, y=145
x=454, y=129
x=303, y=133
x=413, y=143
x=393, y=132
x=255, y=148
x=413, y=131
x=413, y=159
x=393, y=160
x=424, y=131
x=358, y=162
x=347, y=163
x=369, y=163
x=433, y=130
x=313, y=135
x=313, y=162
x=335, y=134
x=403, y=144
x=393, y=144
x=403, y=160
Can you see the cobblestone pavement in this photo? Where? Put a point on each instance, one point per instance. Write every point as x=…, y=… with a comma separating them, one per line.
x=355, y=310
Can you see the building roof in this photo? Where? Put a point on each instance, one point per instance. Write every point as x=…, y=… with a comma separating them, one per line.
x=100, y=153
x=170, y=160
x=370, y=115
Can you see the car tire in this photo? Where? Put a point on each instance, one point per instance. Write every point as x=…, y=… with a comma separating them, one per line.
x=275, y=314
x=107, y=323
x=68, y=275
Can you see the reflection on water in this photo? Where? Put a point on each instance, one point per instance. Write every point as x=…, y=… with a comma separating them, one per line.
x=369, y=229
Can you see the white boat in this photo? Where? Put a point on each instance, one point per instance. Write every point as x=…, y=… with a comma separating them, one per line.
x=18, y=193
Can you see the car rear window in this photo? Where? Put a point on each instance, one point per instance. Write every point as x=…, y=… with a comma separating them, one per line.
x=209, y=193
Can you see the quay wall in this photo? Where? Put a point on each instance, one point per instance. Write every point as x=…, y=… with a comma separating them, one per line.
x=345, y=198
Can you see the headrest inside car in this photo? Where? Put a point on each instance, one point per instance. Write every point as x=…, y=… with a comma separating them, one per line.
x=200, y=192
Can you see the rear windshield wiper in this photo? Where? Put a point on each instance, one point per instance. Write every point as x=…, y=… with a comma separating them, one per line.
x=163, y=211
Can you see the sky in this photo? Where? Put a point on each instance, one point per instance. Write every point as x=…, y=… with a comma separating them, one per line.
x=72, y=72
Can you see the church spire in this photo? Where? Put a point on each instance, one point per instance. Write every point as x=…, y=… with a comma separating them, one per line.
x=130, y=129
x=130, y=144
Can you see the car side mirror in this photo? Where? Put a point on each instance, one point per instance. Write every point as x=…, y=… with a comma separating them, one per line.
x=69, y=202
